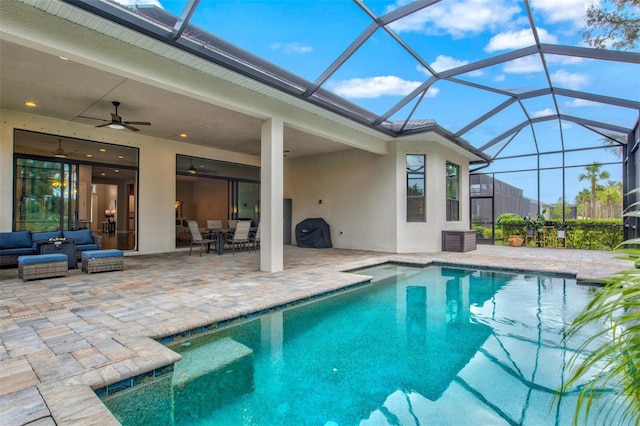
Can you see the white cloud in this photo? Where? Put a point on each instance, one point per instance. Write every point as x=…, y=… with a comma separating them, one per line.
x=443, y=63
x=373, y=87
x=499, y=78
x=458, y=18
x=432, y=92
x=567, y=10
x=569, y=80
x=140, y=3
x=291, y=48
x=518, y=39
x=579, y=103
x=525, y=65
x=543, y=113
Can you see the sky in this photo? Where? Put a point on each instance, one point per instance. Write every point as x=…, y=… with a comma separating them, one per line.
x=305, y=37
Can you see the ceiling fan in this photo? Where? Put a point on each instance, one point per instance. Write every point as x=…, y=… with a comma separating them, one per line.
x=59, y=153
x=117, y=123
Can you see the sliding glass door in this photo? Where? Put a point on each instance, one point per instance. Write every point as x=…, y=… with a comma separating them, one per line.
x=46, y=195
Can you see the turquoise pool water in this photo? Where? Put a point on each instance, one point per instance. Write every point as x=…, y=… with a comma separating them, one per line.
x=436, y=345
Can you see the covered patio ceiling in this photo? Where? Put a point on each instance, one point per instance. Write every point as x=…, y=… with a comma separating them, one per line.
x=516, y=73
x=504, y=78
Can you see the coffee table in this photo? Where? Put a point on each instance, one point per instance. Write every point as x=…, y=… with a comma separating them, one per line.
x=67, y=246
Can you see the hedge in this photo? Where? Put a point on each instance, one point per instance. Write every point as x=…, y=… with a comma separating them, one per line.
x=589, y=234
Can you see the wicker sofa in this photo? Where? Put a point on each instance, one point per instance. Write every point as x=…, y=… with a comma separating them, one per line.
x=18, y=243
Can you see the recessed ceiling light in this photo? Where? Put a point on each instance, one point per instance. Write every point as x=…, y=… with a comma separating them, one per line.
x=183, y=135
x=30, y=104
x=64, y=58
x=117, y=170
x=89, y=155
x=102, y=150
x=102, y=174
x=120, y=157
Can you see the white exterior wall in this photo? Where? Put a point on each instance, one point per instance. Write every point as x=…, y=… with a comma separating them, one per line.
x=363, y=194
x=427, y=236
x=364, y=197
x=157, y=172
x=358, y=197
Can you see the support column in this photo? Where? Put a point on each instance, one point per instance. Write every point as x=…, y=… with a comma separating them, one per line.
x=271, y=196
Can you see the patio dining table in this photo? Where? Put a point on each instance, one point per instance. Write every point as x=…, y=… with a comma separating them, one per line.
x=220, y=233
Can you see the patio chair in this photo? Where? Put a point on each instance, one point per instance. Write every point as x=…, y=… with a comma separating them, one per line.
x=214, y=224
x=255, y=238
x=239, y=236
x=232, y=223
x=197, y=238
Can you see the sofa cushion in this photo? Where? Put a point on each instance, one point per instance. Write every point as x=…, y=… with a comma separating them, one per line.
x=42, y=258
x=101, y=254
x=82, y=236
x=18, y=239
x=45, y=235
x=17, y=251
x=85, y=247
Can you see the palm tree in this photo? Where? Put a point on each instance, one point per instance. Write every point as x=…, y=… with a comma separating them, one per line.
x=617, y=363
x=593, y=175
x=582, y=200
x=613, y=198
x=614, y=143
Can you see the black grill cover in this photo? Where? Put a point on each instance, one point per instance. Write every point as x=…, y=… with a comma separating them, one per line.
x=314, y=233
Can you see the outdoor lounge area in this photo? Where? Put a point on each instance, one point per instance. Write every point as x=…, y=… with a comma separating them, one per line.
x=61, y=337
x=137, y=135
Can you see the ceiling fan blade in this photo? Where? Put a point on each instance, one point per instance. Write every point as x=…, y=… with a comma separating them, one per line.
x=139, y=123
x=104, y=125
x=130, y=127
x=92, y=118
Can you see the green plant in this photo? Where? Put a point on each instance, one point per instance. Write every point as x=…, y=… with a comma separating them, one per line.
x=617, y=361
x=537, y=223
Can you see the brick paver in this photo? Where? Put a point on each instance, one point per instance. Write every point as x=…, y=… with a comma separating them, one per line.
x=62, y=337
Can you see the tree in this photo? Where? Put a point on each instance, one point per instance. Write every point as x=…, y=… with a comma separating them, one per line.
x=593, y=175
x=618, y=26
x=614, y=143
x=560, y=210
x=583, y=200
x=612, y=195
x=615, y=365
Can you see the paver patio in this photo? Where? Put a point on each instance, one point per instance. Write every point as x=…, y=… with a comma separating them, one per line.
x=62, y=337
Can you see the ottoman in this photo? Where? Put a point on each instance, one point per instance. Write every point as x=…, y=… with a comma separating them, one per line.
x=33, y=267
x=102, y=260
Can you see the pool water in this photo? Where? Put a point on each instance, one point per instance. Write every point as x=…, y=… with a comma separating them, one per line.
x=435, y=345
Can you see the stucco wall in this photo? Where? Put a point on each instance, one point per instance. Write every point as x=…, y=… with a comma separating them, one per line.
x=157, y=178
x=427, y=236
x=363, y=197
x=358, y=195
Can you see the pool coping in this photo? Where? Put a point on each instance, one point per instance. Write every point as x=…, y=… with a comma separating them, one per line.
x=72, y=399
x=161, y=372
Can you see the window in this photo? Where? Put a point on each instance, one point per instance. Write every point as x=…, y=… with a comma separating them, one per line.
x=46, y=195
x=453, y=192
x=415, y=188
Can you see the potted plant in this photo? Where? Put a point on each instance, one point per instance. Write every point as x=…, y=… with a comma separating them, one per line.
x=534, y=225
x=561, y=228
x=515, y=240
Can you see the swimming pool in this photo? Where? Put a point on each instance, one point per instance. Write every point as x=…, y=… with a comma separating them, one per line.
x=437, y=345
